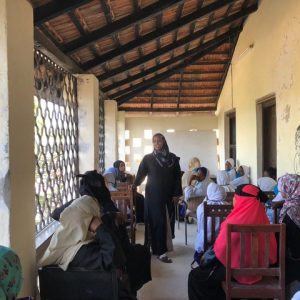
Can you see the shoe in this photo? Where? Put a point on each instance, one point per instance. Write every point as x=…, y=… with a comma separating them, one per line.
x=165, y=259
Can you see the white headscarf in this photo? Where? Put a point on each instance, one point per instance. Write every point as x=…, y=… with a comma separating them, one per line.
x=231, y=161
x=215, y=195
x=266, y=184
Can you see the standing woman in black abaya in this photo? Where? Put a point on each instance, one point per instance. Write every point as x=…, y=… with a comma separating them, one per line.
x=163, y=188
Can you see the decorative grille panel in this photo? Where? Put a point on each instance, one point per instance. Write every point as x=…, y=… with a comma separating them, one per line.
x=101, y=134
x=56, y=138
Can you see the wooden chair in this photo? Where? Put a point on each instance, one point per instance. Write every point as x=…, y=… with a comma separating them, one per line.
x=124, y=200
x=276, y=207
x=214, y=211
x=191, y=211
x=123, y=186
x=272, y=284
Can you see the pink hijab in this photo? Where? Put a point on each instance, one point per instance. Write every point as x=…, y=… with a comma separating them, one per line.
x=247, y=210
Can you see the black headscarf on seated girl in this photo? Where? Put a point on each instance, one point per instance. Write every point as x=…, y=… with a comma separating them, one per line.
x=163, y=156
x=121, y=176
x=260, y=195
x=93, y=184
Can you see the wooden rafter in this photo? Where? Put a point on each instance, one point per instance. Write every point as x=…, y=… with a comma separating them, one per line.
x=179, y=43
x=55, y=8
x=209, y=46
x=156, y=34
x=167, y=109
x=109, y=29
x=159, y=32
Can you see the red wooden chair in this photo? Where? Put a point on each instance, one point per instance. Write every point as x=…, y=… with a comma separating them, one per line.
x=272, y=284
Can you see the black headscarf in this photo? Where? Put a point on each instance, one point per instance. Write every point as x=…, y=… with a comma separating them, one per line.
x=117, y=164
x=92, y=184
x=163, y=156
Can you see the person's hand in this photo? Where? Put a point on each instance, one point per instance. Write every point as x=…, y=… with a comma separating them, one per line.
x=95, y=223
x=192, y=178
x=119, y=218
x=175, y=200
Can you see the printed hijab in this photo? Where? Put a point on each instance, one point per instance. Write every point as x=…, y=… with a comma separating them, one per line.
x=163, y=156
x=248, y=209
x=10, y=274
x=290, y=185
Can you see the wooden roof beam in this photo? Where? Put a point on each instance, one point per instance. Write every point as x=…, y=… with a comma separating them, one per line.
x=167, y=109
x=110, y=29
x=54, y=9
x=159, y=32
x=170, y=47
x=206, y=48
x=175, y=96
x=151, y=70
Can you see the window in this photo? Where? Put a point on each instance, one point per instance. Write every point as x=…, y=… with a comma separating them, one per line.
x=56, y=138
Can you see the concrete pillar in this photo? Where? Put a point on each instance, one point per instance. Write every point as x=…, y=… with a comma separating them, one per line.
x=121, y=135
x=17, y=204
x=88, y=122
x=111, y=132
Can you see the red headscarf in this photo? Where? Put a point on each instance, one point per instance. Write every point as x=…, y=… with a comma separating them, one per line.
x=247, y=210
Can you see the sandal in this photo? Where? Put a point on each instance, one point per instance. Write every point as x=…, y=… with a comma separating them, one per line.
x=165, y=259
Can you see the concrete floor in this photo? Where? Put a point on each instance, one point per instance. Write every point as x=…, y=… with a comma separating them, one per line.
x=169, y=281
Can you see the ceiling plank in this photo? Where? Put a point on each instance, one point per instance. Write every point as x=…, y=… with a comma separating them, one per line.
x=174, y=96
x=209, y=47
x=173, y=109
x=55, y=8
x=121, y=24
x=151, y=70
x=159, y=32
x=190, y=57
x=175, y=45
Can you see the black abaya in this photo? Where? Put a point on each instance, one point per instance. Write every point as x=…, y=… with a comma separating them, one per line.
x=163, y=183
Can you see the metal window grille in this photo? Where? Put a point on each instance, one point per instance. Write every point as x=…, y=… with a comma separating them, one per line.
x=101, y=134
x=56, y=138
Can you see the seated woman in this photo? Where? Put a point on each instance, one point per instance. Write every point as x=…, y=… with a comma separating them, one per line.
x=268, y=181
x=289, y=186
x=91, y=235
x=215, y=195
x=201, y=177
x=229, y=168
x=117, y=174
x=242, y=177
x=248, y=209
x=10, y=274
x=194, y=163
x=223, y=180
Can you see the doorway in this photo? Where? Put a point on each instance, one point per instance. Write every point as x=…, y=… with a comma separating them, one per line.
x=267, y=134
x=230, y=134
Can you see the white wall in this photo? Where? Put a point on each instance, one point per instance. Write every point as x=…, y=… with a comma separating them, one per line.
x=182, y=142
x=271, y=66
